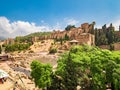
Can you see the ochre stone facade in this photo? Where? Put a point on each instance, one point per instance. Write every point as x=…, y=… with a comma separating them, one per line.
x=86, y=38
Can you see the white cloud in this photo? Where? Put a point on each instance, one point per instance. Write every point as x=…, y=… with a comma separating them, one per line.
x=71, y=21
x=4, y=25
x=17, y=28
x=116, y=24
x=57, y=26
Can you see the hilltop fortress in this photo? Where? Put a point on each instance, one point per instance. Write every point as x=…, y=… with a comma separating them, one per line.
x=82, y=34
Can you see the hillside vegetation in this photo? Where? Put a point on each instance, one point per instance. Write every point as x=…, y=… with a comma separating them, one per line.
x=28, y=37
x=17, y=47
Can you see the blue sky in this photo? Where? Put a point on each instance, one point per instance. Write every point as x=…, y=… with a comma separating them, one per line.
x=56, y=14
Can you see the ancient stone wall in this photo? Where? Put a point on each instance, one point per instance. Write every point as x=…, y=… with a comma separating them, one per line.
x=85, y=27
x=9, y=41
x=35, y=39
x=86, y=38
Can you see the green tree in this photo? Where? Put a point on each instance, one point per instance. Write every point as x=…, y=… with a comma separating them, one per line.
x=41, y=73
x=69, y=27
x=104, y=28
x=93, y=68
x=53, y=50
x=102, y=40
x=68, y=75
x=110, y=36
x=66, y=37
x=92, y=29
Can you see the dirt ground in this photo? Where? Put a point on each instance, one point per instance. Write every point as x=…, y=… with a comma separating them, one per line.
x=18, y=69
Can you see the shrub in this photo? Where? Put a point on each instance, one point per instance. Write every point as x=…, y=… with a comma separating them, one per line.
x=17, y=47
x=43, y=41
x=31, y=51
x=52, y=50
